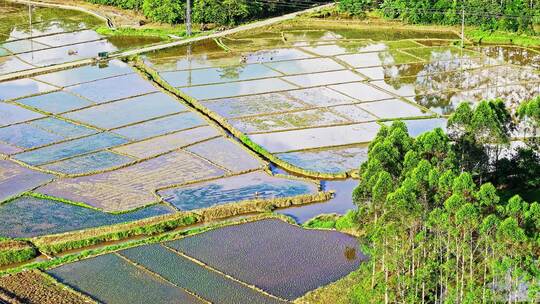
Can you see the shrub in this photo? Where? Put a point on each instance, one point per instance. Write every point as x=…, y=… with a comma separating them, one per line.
x=355, y=7
x=165, y=11
x=127, y=4
x=324, y=221
x=227, y=12
x=12, y=252
x=348, y=221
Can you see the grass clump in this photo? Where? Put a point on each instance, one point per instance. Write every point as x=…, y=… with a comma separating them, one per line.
x=13, y=251
x=324, y=221
x=347, y=222
x=55, y=244
x=162, y=33
x=501, y=37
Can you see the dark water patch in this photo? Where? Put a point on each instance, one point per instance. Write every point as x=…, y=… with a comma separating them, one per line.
x=202, y=281
x=283, y=259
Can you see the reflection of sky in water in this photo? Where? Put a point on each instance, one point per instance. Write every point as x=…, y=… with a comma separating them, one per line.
x=216, y=75
x=22, y=87
x=336, y=160
x=314, y=138
x=86, y=73
x=30, y=217
x=10, y=114
x=238, y=88
x=419, y=126
x=340, y=204
x=257, y=185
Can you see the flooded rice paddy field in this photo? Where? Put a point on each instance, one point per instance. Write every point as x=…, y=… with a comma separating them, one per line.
x=27, y=217
x=279, y=262
x=251, y=186
x=101, y=144
x=306, y=95
x=43, y=36
x=106, y=137
x=15, y=179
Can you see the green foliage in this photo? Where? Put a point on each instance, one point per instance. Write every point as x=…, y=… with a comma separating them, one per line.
x=221, y=12
x=322, y=222
x=434, y=230
x=164, y=11
x=333, y=221
x=529, y=112
x=355, y=7
x=227, y=12
x=12, y=252
x=127, y=4
x=512, y=15
x=480, y=134
x=502, y=37
x=347, y=221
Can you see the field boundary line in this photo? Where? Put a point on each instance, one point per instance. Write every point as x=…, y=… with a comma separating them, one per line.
x=210, y=268
x=157, y=275
x=225, y=125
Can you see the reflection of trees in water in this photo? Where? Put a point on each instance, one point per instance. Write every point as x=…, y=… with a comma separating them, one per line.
x=16, y=19
x=515, y=55
x=231, y=72
x=447, y=80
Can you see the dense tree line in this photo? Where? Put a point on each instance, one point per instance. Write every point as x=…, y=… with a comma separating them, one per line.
x=221, y=12
x=510, y=15
x=433, y=223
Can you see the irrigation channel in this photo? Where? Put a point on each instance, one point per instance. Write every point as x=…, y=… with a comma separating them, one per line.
x=167, y=151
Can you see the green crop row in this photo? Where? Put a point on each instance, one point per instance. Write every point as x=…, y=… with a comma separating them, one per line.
x=12, y=252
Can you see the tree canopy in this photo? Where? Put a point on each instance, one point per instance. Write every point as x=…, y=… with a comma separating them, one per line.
x=432, y=220
x=509, y=15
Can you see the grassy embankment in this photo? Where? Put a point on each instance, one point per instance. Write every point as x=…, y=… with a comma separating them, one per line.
x=166, y=236
x=162, y=32
x=498, y=37
x=55, y=244
x=15, y=251
x=12, y=251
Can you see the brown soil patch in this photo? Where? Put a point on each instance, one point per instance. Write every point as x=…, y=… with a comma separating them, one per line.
x=35, y=287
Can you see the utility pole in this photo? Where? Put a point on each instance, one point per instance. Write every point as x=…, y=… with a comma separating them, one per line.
x=462, y=25
x=188, y=17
